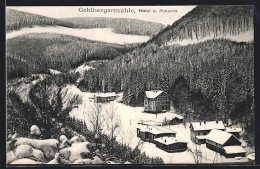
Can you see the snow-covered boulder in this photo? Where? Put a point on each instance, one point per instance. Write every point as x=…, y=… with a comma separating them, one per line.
x=10, y=145
x=26, y=151
x=79, y=151
x=55, y=160
x=74, y=139
x=111, y=162
x=83, y=161
x=49, y=146
x=64, y=142
x=26, y=161
x=65, y=153
x=10, y=157
x=127, y=162
x=34, y=130
x=97, y=160
x=63, y=138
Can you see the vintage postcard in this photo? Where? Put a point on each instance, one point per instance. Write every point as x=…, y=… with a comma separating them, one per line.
x=99, y=85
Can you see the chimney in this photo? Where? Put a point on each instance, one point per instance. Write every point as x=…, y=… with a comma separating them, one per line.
x=216, y=121
x=165, y=141
x=200, y=123
x=204, y=122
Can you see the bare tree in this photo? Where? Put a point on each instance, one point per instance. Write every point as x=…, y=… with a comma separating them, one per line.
x=113, y=122
x=196, y=154
x=96, y=120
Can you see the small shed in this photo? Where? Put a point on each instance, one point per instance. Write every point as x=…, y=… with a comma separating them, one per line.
x=149, y=133
x=104, y=97
x=177, y=119
x=143, y=132
x=234, y=151
x=171, y=144
x=235, y=131
x=150, y=123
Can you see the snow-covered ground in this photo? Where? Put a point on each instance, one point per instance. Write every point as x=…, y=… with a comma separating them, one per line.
x=53, y=71
x=82, y=69
x=130, y=116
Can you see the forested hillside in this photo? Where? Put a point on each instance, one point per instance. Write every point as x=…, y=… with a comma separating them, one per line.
x=16, y=20
x=214, y=83
x=33, y=53
x=208, y=21
x=119, y=25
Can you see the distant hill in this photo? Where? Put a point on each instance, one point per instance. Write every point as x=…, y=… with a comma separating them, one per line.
x=120, y=25
x=16, y=20
x=33, y=53
x=208, y=22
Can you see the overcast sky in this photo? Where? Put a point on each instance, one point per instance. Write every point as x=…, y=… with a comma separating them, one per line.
x=173, y=14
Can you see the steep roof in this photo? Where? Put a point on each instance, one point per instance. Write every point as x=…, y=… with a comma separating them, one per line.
x=150, y=123
x=209, y=125
x=218, y=136
x=234, y=149
x=169, y=140
x=155, y=129
x=153, y=93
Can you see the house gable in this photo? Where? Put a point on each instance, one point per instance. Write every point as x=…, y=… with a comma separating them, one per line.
x=232, y=141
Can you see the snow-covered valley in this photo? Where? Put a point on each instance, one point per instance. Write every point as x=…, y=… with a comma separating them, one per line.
x=126, y=134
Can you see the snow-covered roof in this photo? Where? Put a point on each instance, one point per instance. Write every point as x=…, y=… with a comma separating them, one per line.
x=169, y=140
x=53, y=71
x=251, y=156
x=208, y=125
x=234, y=149
x=160, y=129
x=201, y=137
x=178, y=116
x=155, y=129
x=218, y=136
x=153, y=93
x=233, y=130
x=105, y=94
x=150, y=122
x=143, y=128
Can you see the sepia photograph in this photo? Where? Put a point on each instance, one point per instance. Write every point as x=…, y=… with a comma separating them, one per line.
x=127, y=85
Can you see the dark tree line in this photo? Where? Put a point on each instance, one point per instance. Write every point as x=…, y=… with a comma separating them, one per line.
x=119, y=25
x=204, y=21
x=35, y=53
x=16, y=20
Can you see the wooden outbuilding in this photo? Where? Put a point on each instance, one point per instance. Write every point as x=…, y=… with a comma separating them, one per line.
x=235, y=131
x=225, y=143
x=104, y=97
x=170, y=144
x=149, y=133
x=177, y=119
